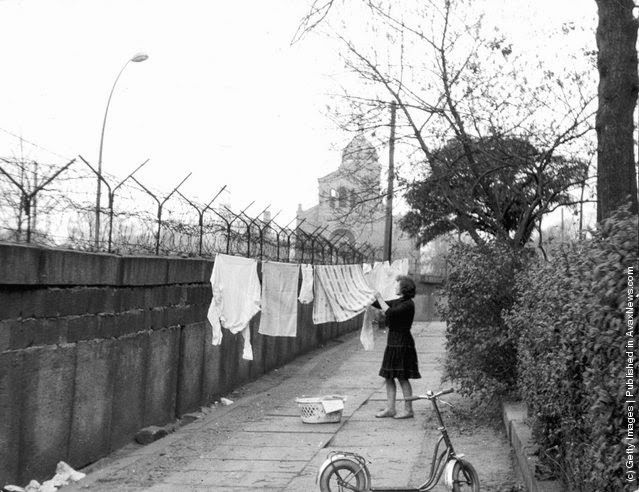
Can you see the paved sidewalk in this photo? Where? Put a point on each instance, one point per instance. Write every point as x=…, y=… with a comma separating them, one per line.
x=260, y=443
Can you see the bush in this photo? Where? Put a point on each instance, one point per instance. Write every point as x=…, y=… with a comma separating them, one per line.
x=570, y=330
x=481, y=356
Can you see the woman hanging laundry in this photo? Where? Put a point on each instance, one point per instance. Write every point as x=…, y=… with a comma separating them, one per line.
x=400, y=356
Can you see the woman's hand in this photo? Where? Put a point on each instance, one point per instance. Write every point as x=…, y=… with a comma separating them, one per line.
x=381, y=302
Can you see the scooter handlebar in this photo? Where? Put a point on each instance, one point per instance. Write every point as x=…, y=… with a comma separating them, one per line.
x=430, y=395
x=445, y=392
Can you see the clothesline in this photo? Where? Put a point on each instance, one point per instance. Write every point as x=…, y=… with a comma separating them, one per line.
x=339, y=292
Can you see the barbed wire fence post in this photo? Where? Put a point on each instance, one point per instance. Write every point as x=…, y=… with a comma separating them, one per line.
x=313, y=239
x=248, y=232
x=354, y=252
x=300, y=237
x=228, y=223
x=160, y=207
x=343, y=250
x=28, y=198
x=201, y=212
x=366, y=250
x=111, y=195
x=265, y=226
x=324, y=243
x=363, y=251
x=334, y=247
x=293, y=233
x=338, y=246
x=248, y=228
x=278, y=233
x=319, y=241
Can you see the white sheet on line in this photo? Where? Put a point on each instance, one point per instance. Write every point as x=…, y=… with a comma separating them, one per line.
x=341, y=293
x=382, y=278
x=400, y=266
x=367, y=336
x=279, y=299
x=306, y=290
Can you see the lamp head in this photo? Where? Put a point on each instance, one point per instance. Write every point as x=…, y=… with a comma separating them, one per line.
x=140, y=57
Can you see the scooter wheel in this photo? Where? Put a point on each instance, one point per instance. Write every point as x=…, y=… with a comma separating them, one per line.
x=465, y=477
x=343, y=475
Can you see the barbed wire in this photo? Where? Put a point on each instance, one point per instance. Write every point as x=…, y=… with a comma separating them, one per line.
x=53, y=204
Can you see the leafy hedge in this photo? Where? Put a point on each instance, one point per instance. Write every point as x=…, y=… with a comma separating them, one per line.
x=481, y=354
x=569, y=323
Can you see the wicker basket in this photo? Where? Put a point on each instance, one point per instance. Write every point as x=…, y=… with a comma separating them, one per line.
x=312, y=410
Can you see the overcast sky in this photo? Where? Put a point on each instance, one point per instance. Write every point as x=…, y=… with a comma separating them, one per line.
x=223, y=93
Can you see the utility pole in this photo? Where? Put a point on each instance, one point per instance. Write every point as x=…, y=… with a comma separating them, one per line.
x=34, y=203
x=388, y=232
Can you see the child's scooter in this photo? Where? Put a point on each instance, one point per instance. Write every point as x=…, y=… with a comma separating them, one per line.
x=348, y=471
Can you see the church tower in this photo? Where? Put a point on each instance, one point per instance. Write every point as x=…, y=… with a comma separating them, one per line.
x=350, y=201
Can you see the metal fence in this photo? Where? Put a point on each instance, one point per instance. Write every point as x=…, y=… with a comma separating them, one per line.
x=54, y=205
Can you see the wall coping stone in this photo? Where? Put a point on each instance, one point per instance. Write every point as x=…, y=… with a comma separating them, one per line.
x=520, y=438
x=30, y=265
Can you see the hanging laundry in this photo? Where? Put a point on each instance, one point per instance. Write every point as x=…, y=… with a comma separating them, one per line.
x=236, y=298
x=279, y=299
x=341, y=293
x=367, y=336
x=306, y=291
x=400, y=266
x=373, y=274
x=367, y=269
x=382, y=278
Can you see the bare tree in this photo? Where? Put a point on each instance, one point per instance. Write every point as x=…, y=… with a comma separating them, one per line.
x=454, y=81
x=29, y=183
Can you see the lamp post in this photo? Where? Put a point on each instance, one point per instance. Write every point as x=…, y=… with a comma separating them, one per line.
x=140, y=57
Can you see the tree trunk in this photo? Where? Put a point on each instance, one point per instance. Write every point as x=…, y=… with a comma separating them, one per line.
x=618, y=84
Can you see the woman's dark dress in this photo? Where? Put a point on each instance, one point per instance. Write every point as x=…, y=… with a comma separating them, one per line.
x=400, y=356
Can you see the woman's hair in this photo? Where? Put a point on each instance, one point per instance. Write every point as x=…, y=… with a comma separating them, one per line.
x=406, y=286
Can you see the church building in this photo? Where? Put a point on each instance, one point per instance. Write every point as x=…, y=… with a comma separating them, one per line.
x=349, y=204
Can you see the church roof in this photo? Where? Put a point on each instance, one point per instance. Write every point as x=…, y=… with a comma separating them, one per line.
x=330, y=175
x=358, y=146
x=358, y=154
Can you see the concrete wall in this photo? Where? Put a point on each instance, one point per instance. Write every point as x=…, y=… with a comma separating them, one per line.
x=94, y=347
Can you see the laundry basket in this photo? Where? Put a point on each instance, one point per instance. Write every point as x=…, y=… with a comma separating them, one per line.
x=321, y=409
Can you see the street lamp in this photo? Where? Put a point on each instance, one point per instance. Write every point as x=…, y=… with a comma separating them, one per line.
x=140, y=57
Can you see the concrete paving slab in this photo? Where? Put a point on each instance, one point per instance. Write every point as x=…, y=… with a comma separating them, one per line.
x=222, y=479
x=280, y=439
x=278, y=423
x=285, y=411
x=302, y=482
x=164, y=487
x=256, y=465
x=275, y=453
